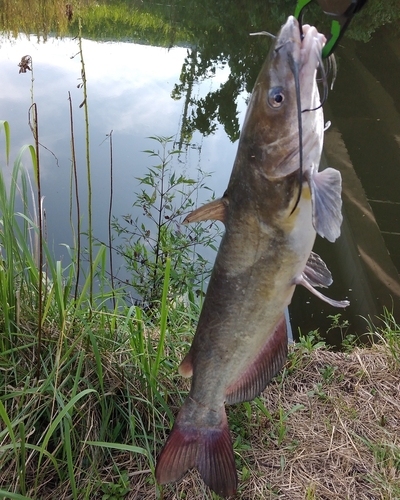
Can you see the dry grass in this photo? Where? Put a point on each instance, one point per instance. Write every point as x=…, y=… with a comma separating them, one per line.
x=328, y=427
x=342, y=443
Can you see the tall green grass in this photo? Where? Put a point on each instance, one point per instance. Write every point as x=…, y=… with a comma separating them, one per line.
x=18, y=267
x=104, y=386
x=92, y=423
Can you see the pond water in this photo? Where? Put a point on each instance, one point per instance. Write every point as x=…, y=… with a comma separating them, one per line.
x=133, y=100
x=211, y=67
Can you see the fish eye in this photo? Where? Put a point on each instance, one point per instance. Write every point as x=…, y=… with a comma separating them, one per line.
x=276, y=97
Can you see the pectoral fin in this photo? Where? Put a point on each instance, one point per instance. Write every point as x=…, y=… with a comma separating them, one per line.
x=215, y=210
x=326, y=189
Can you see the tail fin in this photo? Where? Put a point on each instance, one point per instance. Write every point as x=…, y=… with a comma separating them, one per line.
x=209, y=449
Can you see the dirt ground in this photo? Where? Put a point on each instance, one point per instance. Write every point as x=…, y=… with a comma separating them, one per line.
x=331, y=432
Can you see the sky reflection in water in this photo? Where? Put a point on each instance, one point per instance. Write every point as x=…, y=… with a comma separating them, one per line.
x=129, y=92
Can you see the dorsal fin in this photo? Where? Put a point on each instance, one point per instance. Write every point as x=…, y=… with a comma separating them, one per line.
x=215, y=210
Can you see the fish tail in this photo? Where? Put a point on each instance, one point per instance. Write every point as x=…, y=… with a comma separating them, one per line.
x=209, y=449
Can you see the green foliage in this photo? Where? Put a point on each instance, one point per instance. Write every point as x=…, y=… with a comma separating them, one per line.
x=158, y=234
x=386, y=455
x=340, y=327
x=18, y=249
x=278, y=420
x=389, y=334
x=328, y=373
x=311, y=342
x=318, y=391
x=43, y=405
x=115, y=491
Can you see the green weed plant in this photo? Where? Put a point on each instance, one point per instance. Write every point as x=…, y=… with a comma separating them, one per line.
x=157, y=234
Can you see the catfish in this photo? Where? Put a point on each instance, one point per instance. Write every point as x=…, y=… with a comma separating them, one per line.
x=275, y=203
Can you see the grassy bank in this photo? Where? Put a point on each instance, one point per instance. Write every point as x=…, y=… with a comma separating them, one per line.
x=327, y=427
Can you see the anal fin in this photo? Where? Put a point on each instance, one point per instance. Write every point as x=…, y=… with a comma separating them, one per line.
x=266, y=365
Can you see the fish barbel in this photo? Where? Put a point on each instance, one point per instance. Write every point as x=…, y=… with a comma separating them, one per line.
x=275, y=203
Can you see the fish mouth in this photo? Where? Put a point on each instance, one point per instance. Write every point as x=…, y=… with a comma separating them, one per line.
x=305, y=47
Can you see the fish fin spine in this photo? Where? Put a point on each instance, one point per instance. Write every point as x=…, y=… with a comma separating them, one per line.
x=208, y=449
x=335, y=303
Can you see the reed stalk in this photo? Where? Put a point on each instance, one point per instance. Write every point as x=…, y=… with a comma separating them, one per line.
x=74, y=173
x=110, y=249
x=88, y=169
x=33, y=123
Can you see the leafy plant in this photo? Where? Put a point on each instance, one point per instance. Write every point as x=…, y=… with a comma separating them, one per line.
x=158, y=234
x=311, y=342
x=338, y=323
x=116, y=490
x=328, y=373
x=318, y=391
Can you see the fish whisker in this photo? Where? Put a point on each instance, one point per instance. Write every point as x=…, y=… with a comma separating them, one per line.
x=266, y=33
x=332, y=66
x=324, y=78
x=277, y=49
x=295, y=70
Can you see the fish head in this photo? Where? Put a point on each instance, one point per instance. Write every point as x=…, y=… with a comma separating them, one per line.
x=277, y=124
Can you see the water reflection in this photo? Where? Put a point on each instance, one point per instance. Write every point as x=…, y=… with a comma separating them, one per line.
x=131, y=99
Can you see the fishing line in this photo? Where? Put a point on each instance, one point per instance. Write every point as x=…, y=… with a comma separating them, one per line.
x=332, y=66
x=329, y=66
